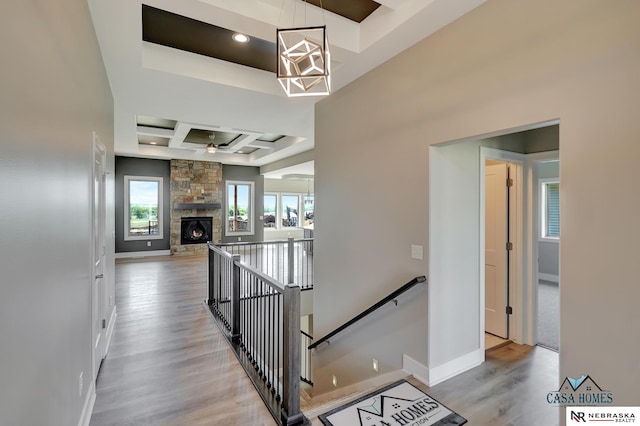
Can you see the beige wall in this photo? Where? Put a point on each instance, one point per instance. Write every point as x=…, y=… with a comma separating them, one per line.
x=53, y=94
x=505, y=65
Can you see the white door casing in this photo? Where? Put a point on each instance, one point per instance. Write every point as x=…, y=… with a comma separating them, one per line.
x=98, y=253
x=496, y=260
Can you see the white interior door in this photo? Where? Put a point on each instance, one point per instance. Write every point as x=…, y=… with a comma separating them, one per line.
x=99, y=227
x=496, y=237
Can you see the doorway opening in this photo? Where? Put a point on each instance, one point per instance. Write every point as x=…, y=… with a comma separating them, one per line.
x=503, y=183
x=498, y=182
x=458, y=251
x=546, y=177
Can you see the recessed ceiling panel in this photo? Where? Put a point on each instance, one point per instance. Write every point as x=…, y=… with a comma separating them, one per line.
x=355, y=10
x=270, y=137
x=160, y=123
x=204, y=137
x=247, y=150
x=180, y=32
x=152, y=140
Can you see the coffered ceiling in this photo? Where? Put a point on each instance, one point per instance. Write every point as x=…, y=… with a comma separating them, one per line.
x=180, y=81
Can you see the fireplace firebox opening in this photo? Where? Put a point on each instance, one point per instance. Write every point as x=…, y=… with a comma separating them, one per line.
x=196, y=230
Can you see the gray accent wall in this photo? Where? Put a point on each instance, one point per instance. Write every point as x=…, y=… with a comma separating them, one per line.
x=548, y=258
x=543, y=139
x=248, y=174
x=129, y=166
x=469, y=80
x=54, y=95
x=531, y=141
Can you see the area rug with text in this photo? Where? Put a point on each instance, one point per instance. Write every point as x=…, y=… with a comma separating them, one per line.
x=399, y=404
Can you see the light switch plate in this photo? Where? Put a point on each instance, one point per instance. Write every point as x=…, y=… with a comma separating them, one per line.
x=417, y=252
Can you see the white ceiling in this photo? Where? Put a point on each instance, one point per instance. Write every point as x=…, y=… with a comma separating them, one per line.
x=200, y=92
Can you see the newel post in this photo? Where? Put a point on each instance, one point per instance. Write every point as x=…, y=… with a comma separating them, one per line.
x=210, y=295
x=291, y=414
x=290, y=260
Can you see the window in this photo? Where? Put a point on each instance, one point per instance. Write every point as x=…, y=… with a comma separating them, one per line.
x=550, y=208
x=270, y=214
x=142, y=208
x=288, y=210
x=290, y=206
x=239, y=208
x=308, y=210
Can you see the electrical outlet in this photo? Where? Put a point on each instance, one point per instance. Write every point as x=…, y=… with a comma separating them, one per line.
x=80, y=383
x=239, y=238
x=148, y=243
x=334, y=381
x=375, y=365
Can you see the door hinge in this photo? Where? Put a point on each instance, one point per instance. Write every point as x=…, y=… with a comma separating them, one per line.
x=509, y=310
x=104, y=323
x=509, y=183
x=509, y=246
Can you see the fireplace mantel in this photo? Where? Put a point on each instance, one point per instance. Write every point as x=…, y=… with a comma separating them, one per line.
x=196, y=206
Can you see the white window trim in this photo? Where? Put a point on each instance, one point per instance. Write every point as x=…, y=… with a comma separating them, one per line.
x=251, y=212
x=159, y=236
x=542, y=191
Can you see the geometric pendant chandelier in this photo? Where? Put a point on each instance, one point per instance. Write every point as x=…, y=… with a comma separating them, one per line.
x=304, y=61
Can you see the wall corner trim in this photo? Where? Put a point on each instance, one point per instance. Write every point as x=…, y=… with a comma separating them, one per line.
x=87, y=409
x=110, y=328
x=549, y=277
x=454, y=367
x=416, y=369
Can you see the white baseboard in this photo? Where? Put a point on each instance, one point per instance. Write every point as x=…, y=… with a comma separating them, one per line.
x=129, y=254
x=548, y=277
x=110, y=328
x=454, y=367
x=416, y=369
x=87, y=409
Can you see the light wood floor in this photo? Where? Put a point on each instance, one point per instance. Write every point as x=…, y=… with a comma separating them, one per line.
x=509, y=388
x=169, y=365
x=491, y=341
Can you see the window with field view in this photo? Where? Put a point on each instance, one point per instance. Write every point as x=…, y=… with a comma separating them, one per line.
x=290, y=208
x=309, y=206
x=239, y=208
x=270, y=214
x=143, y=207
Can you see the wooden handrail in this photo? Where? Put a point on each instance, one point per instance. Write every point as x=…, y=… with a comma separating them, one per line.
x=369, y=310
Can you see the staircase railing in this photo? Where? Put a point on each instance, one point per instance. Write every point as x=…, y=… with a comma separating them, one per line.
x=286, y=261
x=305, y=357
x=260, y=318
x=372, y=308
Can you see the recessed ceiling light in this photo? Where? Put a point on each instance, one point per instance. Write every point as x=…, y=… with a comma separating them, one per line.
x=241, y=38
x=153, y=143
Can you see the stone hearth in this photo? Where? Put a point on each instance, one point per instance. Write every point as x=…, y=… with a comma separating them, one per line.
x=192, y=183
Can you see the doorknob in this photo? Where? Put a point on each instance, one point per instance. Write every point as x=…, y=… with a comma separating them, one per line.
x=99, y=276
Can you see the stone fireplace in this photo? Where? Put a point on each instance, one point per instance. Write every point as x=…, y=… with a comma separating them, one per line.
x=196, y=198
